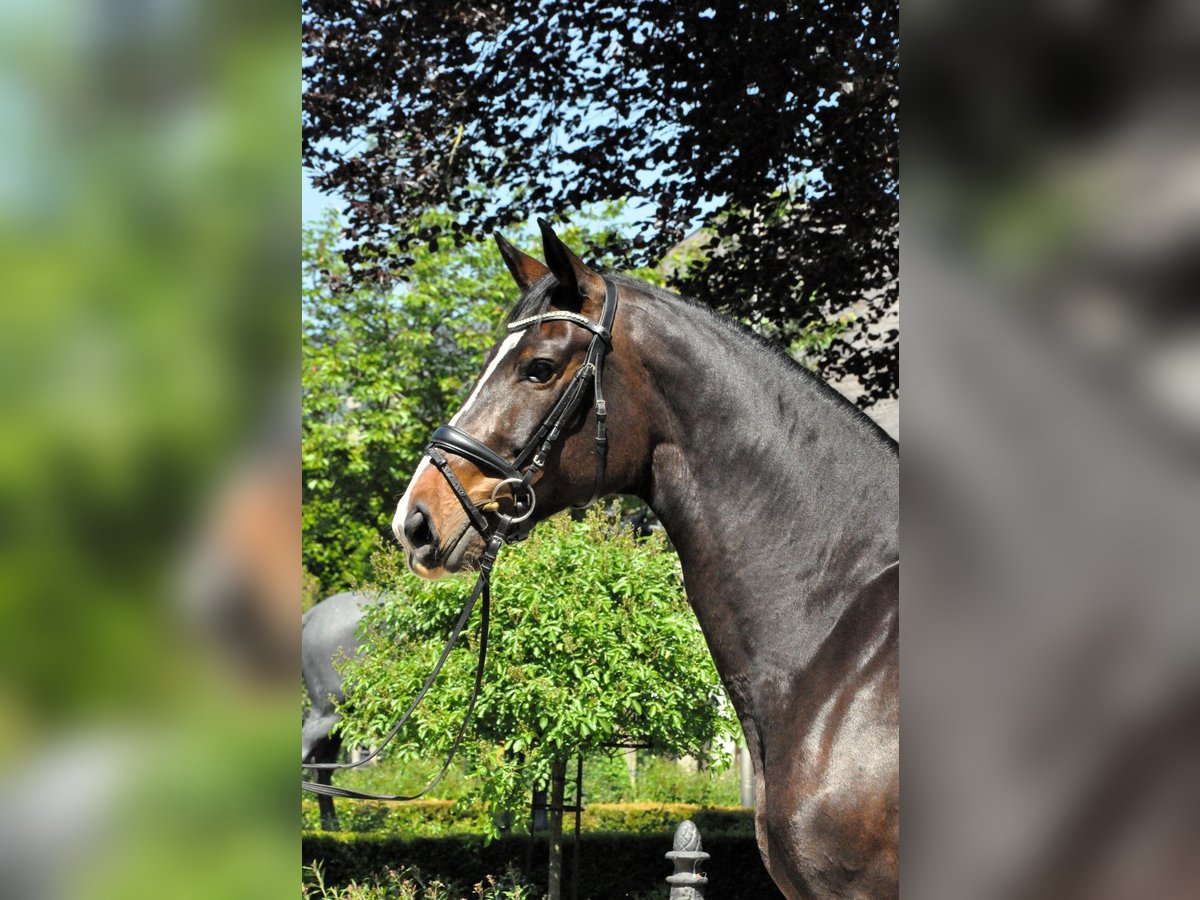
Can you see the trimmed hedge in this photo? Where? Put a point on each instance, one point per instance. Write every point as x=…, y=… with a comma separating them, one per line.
x=612, y=866
x=664, y=818
x=435, y=818
x=417, y=818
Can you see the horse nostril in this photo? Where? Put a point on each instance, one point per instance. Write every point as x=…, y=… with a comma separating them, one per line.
x=418, y=528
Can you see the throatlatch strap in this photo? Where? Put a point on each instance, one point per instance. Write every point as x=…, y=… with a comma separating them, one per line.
x=601, y=436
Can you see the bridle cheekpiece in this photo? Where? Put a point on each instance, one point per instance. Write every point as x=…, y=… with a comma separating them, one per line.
x=521, y=472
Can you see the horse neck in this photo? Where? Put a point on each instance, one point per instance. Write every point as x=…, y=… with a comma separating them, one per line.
x=780, y=498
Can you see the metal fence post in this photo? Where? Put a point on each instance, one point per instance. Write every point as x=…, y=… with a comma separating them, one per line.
x=687, y=883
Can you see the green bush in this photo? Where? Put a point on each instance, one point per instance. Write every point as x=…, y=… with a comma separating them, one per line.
x=419, y=818
x=592, y=640
x=659, y=778
x=663, y=818
x=611, y=865
x=605, y=780
x=391, y=776
x=412, y=884
x=437, y=818
x=663, y=779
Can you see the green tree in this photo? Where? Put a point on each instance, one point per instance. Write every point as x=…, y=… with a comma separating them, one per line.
x=592, y=642
x=382, y=369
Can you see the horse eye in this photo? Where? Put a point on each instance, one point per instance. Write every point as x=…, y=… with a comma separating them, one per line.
x=539, y=371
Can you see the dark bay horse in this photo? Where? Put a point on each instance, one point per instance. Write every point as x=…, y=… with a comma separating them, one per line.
x=782, y=501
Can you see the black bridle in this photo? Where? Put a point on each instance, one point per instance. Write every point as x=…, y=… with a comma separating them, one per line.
x=533, y=458
x=520, y=474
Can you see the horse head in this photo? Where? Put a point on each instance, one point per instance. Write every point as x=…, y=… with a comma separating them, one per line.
x=531, y=438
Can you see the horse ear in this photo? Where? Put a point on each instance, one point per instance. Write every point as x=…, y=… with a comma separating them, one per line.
x=524, y=268
x=570, y=270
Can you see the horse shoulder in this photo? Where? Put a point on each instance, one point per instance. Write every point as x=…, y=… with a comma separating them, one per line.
x=832, y=817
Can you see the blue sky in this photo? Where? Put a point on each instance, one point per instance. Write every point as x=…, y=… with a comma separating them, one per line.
x=312, y=201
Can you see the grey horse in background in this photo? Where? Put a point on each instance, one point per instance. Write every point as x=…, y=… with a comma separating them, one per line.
x=328, y=635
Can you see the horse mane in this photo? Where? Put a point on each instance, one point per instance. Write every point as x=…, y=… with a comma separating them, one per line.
x=537, y=300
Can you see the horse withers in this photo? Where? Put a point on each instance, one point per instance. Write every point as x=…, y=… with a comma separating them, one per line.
x=780, y=497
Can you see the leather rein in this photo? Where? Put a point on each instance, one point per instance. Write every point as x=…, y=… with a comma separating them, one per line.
x=519, y=475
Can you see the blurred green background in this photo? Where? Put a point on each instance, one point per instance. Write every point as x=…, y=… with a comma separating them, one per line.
x=148, y=213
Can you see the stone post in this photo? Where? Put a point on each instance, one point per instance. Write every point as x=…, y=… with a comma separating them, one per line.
x=687, y=883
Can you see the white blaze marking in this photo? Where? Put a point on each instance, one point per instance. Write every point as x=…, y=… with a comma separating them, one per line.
x=402, y=508
x=509, y=343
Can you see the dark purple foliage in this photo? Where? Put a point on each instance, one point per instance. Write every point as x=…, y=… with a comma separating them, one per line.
x=702, y=114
